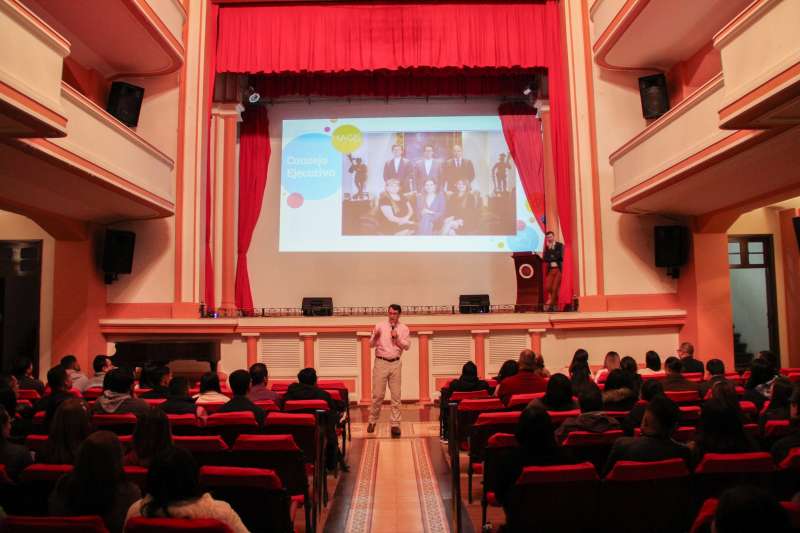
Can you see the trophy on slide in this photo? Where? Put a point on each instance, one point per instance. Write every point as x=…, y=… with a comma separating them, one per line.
x=359, y=171
x=530, y=282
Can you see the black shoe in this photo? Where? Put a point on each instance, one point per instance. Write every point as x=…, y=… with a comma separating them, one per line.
x=395, y=432
x=370, y=428
x=344, y=467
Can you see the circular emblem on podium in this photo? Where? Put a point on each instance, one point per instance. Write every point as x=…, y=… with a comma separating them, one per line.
x=526, y=271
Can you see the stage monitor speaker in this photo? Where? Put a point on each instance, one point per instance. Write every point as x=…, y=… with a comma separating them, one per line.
x=671, y=245
x=118, y=252
x=317, y=306
x=473, y=303
x=653, y=92
x=125, y=102
x=796, y=222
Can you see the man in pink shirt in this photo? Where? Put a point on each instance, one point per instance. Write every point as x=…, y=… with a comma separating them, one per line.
x=389, y=339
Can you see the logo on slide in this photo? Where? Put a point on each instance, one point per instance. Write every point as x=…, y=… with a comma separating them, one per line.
x=347, y=138
x=311, y=168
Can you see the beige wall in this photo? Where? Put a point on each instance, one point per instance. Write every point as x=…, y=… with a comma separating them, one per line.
x=17, y=227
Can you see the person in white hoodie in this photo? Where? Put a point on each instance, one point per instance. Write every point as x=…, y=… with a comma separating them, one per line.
x=79, y=380
x=210, y=390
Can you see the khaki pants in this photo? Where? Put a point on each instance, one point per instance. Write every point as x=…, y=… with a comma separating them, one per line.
x=552, y=284
x=382, y=372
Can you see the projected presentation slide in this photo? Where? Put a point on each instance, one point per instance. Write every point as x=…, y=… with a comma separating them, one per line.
x=402, y=184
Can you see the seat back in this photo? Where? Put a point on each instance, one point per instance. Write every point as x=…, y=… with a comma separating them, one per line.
x=175, y=525
x=775, y=429
x=279, y=453
x=787, y=479
x=683, y=396
x=499, y=448
x=468, y=411
x=305, y=406
x=187, y=424
x=457, y=396
x=92, y=393
x=592, y=447
x=28, y=394
x=37, y=482
x=211, y=407
x=705, y=516
x=486, y=425
x=558, y=417
x=54, y=524
x=718, y=471
x=301, y=426
x=267, y=405
x=206, y=449
x=121, y=424
x=690, y=414
x=36, y=443
x=520, y=401
x=257, y=495
x=230, y=425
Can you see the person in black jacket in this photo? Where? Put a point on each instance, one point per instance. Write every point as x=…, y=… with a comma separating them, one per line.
x=240, y=385
x=23, y=371
x=179, y=402
x=716, y=374
x=554, y=257
x=59, y=384
x=690, y=364
x=650, y=389
x=159, y=378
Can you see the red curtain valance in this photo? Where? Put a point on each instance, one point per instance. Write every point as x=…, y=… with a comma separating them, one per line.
x=342, y=38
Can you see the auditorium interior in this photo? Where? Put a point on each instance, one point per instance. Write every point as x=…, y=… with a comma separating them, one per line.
x=201, y=199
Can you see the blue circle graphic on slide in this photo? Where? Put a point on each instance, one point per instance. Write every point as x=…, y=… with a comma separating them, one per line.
x=311, y=167
x=524, y=241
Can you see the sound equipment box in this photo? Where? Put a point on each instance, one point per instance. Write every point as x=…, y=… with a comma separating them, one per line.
x=317, y=306
x=118, y=253
x=473, y=303
x=671, y=246
x=654, y=95
x=125, y=102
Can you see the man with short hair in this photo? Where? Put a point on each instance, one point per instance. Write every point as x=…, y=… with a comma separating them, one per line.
x=427, y=168
x=390, y=339
x=525, y=381
x=716, y=374
x=78, y=379
x=655, y=444
x=117, y=397
x=101, y=366
x=159, y=381
x=458, y=168
x=59, y=383
x=259, y=377
x=22, y=369
x=673, y=368
x=690, y=364
x=399, y=168
x=239, y=381
x=592, y=418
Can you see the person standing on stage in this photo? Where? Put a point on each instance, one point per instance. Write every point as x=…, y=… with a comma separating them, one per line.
x=554, y=257
x=389, y=339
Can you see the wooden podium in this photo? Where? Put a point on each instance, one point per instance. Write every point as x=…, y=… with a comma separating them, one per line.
x=530, y=282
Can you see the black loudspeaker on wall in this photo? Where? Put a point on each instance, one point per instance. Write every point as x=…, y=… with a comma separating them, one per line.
x=796, y=222
x=655, y=99
x=125, y=102
x=671, y=247
x=118, y=253
x=473, y=303
x=317, y=306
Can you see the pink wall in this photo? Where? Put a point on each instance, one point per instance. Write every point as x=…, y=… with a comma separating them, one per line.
x=791, y=283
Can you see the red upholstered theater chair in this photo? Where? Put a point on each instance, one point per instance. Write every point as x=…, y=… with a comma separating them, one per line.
x=734, y=377
x=36, y=443
x=92, y=393
x=684, y=397
x=302, y=427
x=123, y=424
x=36, y=483
x=281, y=454
x=230, y=425
x=794, y=377
x=467, y=413
x=468, y=395
x=705, y=516
x=690, y=414
x=695, y=377
x=136, y=475
x=558, y=417
x=787, y=478
x=776, y=429
x=187, y=424
x=152, y=402
x=749, y=410
x=37, y=423
x=305, y=406
x=592, y=447
x=54, y=524
x=206, y=449
x=683, y=434
x=554, y=498
x=256, y=494
x=485, y=426
x=28, y=394
x=658, y=376
x=175, y=525
x=719, y=471
x=498, y=449
x=634, y=496
x=212, y=407
x=455, y=397
x=267, y=405
x=518, y=402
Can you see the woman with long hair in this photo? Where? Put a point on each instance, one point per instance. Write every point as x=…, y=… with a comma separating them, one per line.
x=430, y=207
x=151, y=437
x=210, y=391
x=394, y=211
x=581, y=379
x=173, y=490
x=558, y=396
x=721, y=430
x=779, y=402
x=97, y=484
x=610, y=362
x=68, y=430
x=758, y=388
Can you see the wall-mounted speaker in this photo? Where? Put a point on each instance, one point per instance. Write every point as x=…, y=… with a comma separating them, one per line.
x=473, y=303
x=317, y=306
x=654, y=95
x=671, y=247
x=118, y=253
x=796, y=222
x=125, y=102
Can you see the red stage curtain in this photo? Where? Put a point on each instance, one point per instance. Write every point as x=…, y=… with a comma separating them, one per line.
x=254, y=152
x=359, y=38
x=523, y=133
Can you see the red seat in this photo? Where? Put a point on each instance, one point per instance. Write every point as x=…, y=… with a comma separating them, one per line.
x=37, y=482
x=790, y=370
x=457, y=396
x=794, y=377
x=254, y=493
x=28, y=394
x=682, y=434
x=211, y=407
x=485, y=426
x=305, y=406
x=520, y=401
x=175, y=525
x=749, y=409
x=230, y=425
x=93, y=393
x=592, y=447
x=301, y=426
x=558, y=417
x=693, y=376
x=683, y=396
x=734, y=378
x=187, y=424
x=658, y=375
x=787, y=482
x=201, y=443
x=267, y=405
x=717, y=472
x=689, y=414
x=644, y=487
x=54, y=524
x=498, y=448
x=35, y=443
x=121, y=424
x=136, y=475
x=468, y=411
x=702, y=524
x=154, y=401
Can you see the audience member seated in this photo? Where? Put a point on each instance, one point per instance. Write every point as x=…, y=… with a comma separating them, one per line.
x=468, y=381
x=725, y=393
x=20, y=415
x=610, y=362
x=619, y=393
x=771, y=358
x=660, y=420
x=210, y=391
x=581, y=379
x=652, y=364
x=14, y=456
x=151, y=437
x=117, y=397
x=650, y=389
x=629, y=366
x=509, y=368
x=747, y=508
x=539, y=368
x=259, y=377
x=239, y=381
x=179, y=402
x=525, y=381
x=537, y=447
x=758, y=388
x=78, y=379
x=173, y=490
x=720, y=430
x=59, y=384
x=690, y=364
x=101, y=366
x=673, y=367
x=97, y=484
x=715, y=370
x=159, y=383
x=778, y=408
x=781, y=448
x=23, y=371
x=558, y=396
x=580, y=356
x=68, y=430
x=592, y=417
